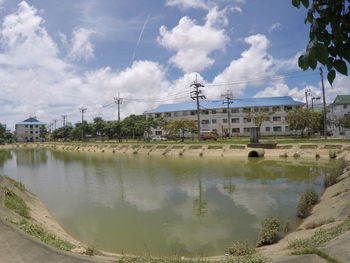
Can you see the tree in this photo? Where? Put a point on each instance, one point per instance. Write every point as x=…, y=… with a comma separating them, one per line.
x=112, y=129
x=345, y=121
x=329, y=41
x=62, y=132
x=180, y=125
x=42, y=131
x=301, y=119
x=260, y=117
x=99, y=126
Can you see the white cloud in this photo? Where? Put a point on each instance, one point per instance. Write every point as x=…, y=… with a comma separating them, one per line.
x=275, y=27
x=194, y=43
x=81, y=46
x=254, y=64
x=186, y=4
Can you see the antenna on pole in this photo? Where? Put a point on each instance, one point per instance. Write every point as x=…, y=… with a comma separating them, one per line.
x=195, y=96
x=82, y=111
x=118, y=100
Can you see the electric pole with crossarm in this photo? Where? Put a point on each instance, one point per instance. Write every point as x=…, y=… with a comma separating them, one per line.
x=82, y=110
x=228, y=100
x=195, y=95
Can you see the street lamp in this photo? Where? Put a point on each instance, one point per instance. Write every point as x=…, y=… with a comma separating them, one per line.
x=312, y=101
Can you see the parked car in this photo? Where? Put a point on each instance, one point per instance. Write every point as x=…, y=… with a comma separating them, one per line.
x=209, y=136
x=158, y=138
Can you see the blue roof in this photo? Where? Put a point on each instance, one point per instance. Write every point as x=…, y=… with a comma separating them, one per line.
x=31, y=121
x=237, y=103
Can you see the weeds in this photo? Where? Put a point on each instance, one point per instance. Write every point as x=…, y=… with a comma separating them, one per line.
x=307, y=200
x=46, y=237
x=320, y=237
x=270, y=233
x=331, y=178
x=17, y=184
x=241, y=249
x=15, y=203
x=318, y=253
x=90, y=251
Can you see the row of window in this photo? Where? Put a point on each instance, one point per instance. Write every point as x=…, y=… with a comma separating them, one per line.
x=233, y=110
x=31, y=132
x=31, y=126
x=237, y=120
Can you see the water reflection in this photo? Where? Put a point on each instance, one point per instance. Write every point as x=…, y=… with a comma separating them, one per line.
x=4, y=156
x=161, y=205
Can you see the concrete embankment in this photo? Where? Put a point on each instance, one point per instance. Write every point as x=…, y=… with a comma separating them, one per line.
x=298, y=150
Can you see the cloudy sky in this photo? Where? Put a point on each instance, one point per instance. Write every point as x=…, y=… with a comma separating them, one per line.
x=58, y=55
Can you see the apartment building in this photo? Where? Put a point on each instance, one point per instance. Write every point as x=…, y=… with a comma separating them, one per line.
x=29, y=130
x=336, y=111
x=214, y=115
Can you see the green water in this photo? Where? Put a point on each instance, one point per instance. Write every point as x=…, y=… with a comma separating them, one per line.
x=162, y=205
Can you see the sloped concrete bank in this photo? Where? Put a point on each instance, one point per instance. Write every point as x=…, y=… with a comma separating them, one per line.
x=332, y=210
x=298, y=150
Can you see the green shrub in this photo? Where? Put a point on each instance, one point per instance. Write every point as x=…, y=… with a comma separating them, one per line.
x=331, y=178
x=270, y=233
x=15, y=203
x=241, y=249
x=90, y=251
x=307, y=200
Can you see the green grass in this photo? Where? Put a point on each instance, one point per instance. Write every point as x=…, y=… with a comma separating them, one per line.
x=332, y=178
x=241, y=249
x=17, y=184
x=307, y=200
x=318, y=253
x=320, y=237
x=46, y=237
x=16, y=203
x=243, y=259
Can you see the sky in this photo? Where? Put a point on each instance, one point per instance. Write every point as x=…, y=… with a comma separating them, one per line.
x=57, y=56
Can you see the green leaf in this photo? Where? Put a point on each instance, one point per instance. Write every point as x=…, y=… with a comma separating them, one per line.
x=321, y=53
x=303, y=63
x=331, y=76
x=305, y=3
x=341, y=67
x=330, y=61
x=311, y=58
x=296, y=3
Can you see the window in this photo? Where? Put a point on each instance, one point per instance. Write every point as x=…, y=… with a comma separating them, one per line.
x=31, y=126
x=247, y=129
x=235, y=120
x=36, y=138
x=36, y=132
x=158, y=132
x=247, y=120
x=224, y=110
x=206, y=112
x=213, y=111
x=256, y=109
x=277, y=129
x=246, y=110
x=193, y=112
x=167, y=114
x=158, y=115
x=235, y=130
x=276, y=118
x=287, y=108
x=36, y=126
x=236, y=110
x=31, y=132
x=276, y=108
x=267, y=129
x=345, y=106
x=224, y=120
x=184, y=113
x=26, y=138
x=213, y=121
x=26, y=126
x=214, y=130
x=286, y=129
x=205, y=121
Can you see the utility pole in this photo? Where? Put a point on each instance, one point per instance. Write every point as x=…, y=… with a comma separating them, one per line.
x=324, y=107
x=228, y=100
x=307, y=92
x=118, y=100
x=82, y=110
x=54, y=121
x=312, y=102
x=195, y=96
x=64, y=118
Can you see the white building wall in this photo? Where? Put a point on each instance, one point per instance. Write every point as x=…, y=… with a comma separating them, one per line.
x=216, y=120
x=28, y=132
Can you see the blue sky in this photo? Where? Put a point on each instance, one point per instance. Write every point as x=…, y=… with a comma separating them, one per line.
x=58, y=55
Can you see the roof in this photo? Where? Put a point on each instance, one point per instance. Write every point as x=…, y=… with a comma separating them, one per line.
x=341, y=100
x=31, y=121
x=217, y=104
